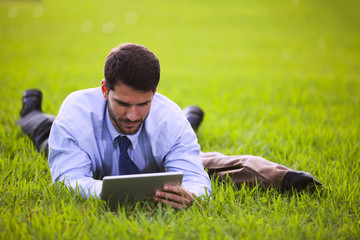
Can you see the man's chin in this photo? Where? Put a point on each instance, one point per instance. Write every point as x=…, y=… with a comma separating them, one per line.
x=130, y=131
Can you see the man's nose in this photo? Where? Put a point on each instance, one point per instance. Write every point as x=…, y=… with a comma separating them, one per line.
x=132, y=113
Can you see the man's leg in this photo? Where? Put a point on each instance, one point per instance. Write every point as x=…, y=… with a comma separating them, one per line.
x=249, y=169
x=194, y=115
x=33, y=121
x=37, y=126
x=254, y=170
x=244, y=169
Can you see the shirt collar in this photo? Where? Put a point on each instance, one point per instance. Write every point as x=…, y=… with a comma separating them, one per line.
x=114, y=133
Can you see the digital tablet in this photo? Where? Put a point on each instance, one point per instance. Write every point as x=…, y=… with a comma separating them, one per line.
x=136, y=187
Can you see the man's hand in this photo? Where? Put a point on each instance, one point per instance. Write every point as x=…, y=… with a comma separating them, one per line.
x=174, y=195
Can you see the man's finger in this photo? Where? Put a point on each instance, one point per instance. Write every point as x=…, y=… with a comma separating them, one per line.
x=172, y=204
x=177, y=189
x=173, y=197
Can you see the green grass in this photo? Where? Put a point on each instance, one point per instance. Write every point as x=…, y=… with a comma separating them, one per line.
x=279, y=79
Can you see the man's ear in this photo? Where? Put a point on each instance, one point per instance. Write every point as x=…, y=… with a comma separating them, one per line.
x=154, y=91
x=104, y=89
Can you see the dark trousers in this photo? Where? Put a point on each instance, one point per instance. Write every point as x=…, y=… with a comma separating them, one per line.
x=37, y=126
x=241, y=168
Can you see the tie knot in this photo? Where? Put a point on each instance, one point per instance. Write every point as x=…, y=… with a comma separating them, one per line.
x=124, y=143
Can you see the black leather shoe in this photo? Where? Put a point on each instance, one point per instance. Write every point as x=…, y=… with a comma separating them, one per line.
x=31, y=100
x=194, y=115
x=299, y=180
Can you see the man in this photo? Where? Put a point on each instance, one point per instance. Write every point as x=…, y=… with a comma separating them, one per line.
x=126, y=127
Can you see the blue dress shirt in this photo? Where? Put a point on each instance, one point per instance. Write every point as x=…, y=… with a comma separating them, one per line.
x=83, y=146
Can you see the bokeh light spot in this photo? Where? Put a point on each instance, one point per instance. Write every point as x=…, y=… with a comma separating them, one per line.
x=86, y=27
x=38, y=11
x=108, y=27
x=131, y=17
x=286, y=55
x=13, y=12
x=295, y=2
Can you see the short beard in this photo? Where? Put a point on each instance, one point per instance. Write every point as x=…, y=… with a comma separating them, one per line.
x=118, y=127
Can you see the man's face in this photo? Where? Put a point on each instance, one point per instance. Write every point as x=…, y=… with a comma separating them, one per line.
x=128, y=108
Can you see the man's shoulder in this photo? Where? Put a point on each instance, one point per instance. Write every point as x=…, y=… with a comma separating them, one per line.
x=162, y=102
x=84, y=96
x=163, y=108
x=84, y=106
x=166, y=119
x=85, y=99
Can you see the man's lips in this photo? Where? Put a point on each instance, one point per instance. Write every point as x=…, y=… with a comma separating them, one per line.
x=131, y=124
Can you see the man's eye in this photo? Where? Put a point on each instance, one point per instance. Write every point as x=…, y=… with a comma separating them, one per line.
x=122, y=104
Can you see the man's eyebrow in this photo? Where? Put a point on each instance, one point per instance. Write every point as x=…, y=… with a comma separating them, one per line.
x=121, y=102
x=128, y=104
x=144, y=103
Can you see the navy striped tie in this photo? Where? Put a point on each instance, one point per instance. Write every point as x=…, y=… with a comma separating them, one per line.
x=126, y=165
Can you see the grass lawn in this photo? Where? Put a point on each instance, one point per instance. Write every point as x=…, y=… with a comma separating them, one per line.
x=279, y=79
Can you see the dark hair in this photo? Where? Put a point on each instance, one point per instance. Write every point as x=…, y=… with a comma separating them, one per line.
x=133, y=65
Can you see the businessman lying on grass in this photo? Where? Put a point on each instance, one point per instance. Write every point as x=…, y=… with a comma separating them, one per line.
x=126, y=127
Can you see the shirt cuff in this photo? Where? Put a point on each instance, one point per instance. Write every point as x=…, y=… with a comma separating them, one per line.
x=97, y=189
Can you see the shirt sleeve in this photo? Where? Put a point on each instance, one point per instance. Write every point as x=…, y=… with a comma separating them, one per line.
x=184, y=157
x=69, y=163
